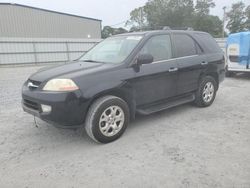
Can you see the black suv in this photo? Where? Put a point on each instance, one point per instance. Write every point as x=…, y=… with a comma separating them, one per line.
x=127, y=74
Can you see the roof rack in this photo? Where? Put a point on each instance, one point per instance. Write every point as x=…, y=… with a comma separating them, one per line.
x=166, y=28
x=178, y=28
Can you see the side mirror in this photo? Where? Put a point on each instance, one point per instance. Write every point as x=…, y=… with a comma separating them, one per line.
x=145, y=59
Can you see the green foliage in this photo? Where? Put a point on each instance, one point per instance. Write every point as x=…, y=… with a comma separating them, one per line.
x=157, y=14
x=203, y=7
x=211, y=24
x=247, y=14
x=138, y=19
x=176, y=13
x=237, y=18
x=172, y=13
x=108, y=31
x=203, y=21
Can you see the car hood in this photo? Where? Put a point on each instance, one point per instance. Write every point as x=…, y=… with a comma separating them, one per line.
x=46, y=74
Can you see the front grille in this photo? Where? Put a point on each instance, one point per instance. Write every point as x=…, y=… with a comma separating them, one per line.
x=31, y=104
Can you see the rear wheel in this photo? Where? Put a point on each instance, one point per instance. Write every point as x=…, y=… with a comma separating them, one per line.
x=107, y=119
x=206, y=92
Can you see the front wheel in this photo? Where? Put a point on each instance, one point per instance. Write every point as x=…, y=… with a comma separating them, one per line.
x=107, y=119
x=206, y=92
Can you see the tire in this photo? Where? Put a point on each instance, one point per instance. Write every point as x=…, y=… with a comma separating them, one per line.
x=205, y=94
x=102, y=121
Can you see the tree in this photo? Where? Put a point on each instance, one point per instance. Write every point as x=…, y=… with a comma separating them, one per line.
x=203, y=7
x=236, y=18
x=170, y=13
x=210, y=24
x=176, y=14
x=247, y=14
x=159, y=13
x=138, y=19
x=119, y=30
x=203, y=21
x=109, y=31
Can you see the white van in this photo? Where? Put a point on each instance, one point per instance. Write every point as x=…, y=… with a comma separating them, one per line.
x=238, y=53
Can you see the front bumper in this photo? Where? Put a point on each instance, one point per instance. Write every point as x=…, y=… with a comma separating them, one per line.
x=68, y=108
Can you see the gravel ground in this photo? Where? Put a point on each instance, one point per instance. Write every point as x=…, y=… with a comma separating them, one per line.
x=180, y=147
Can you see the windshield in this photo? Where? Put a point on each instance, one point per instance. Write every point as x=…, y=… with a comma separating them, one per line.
x=112, y=50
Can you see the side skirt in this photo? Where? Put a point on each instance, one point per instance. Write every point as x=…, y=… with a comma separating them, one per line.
x=165, y=104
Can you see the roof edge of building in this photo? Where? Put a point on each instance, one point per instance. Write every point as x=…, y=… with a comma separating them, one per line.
x=51, y=11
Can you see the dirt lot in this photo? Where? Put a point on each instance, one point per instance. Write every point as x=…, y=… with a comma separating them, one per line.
x=181, y=147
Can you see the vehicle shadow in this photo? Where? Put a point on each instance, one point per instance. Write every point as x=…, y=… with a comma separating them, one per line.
x=140, y=122
x=62, y=134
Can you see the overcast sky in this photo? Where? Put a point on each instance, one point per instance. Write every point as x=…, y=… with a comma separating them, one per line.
x=111, y=12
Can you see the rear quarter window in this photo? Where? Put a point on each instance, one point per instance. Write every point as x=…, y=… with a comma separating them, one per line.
x=184, y=45
x=207, y=42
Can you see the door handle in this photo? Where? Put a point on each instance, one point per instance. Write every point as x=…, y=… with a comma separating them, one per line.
x=173, y=69
x=204, y=63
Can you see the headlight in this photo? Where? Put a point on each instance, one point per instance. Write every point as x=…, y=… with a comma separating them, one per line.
x=60, y=85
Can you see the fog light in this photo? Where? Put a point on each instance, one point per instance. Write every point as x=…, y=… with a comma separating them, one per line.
x=46, y=108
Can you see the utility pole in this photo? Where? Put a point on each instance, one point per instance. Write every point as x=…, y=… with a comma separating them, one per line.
x=224, y=21
x=141, y=18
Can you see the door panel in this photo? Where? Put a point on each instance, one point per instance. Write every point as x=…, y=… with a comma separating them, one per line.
x=154, y=82
x=190, y=69
x=190, y=62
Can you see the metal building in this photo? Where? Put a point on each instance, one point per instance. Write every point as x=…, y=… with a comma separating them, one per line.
x=34, y=35
x=25, y=21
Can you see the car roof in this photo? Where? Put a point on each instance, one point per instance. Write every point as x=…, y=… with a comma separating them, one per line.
x=155, y=32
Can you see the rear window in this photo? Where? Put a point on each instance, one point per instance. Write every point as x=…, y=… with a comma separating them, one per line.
x=207, y=43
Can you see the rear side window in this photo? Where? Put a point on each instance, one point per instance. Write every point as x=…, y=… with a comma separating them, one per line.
x=184, y=45
x=207, y=43
x=159, y=47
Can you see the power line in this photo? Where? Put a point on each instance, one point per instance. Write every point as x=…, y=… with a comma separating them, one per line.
x=118, y=23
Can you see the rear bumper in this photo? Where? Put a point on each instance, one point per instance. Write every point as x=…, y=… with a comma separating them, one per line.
x=222, y=75
x=68, y=109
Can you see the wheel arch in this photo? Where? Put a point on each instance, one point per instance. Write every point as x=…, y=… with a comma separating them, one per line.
x=125, y=95
x=215, y=75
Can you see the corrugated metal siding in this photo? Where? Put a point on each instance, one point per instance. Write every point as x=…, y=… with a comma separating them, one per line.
x=42, y=50
x=19, y=21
